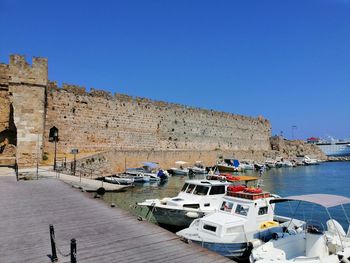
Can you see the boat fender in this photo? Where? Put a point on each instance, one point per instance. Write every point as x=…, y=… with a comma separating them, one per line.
x=164, y=200
x=192, y=214
x=277, y=235
x=101, y=191
x=255, y=243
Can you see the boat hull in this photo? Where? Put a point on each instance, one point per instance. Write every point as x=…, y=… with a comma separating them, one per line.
x=179, y=172
x=235, y=251
x=223, y=168
x=173, y=217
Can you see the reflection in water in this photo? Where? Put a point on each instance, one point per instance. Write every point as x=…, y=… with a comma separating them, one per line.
x=326, y=178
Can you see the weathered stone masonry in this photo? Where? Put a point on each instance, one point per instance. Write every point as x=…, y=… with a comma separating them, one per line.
x=23, y=90
x=100, y=121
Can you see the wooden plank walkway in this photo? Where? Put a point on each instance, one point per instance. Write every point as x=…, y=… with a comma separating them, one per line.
x=103, y=234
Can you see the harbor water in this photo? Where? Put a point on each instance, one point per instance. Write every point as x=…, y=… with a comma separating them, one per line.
x=325, y=178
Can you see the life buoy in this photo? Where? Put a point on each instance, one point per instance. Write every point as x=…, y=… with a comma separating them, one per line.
x=253, y=190
x=230, y=177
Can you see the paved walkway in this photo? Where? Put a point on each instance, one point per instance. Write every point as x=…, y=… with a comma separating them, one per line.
x=103, y=234
x=84, y=183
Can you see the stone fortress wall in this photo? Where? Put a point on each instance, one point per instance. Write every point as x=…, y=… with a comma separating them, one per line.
x=99, y=121
x=23, y=99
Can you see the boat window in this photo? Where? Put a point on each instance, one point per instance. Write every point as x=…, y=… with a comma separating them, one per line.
x=184, y=187
x=209, y=228
x=195, y=206
x=190, y=188
x=201, y=190
x=242, y=210
x=226, y=206
x=262, y=210
x=217, y=189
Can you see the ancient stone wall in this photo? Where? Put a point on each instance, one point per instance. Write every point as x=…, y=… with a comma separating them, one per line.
x=23, y=97
x=4, y=98
x=98, y=121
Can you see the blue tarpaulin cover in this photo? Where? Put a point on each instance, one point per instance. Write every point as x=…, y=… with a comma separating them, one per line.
x=150, y=164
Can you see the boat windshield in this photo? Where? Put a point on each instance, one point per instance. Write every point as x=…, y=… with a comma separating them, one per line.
x=184, y=187
x=201, y=190
x=217, y=190
x=190, y=188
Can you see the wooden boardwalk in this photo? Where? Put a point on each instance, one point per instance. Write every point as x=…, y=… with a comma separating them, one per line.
x=103, y=234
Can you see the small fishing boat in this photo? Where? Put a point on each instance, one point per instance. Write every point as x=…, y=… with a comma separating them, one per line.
x=312, y=244
x=228, y=165
x=119, y=179
x=310, y=161
x=245, y=216
x=149, y=172
x=180, y=170
x=270, y=163
x=245, y=165
x=197, y=168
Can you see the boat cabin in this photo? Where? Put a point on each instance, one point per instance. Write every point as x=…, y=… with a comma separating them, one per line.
x=240, y=214
x=201, y=194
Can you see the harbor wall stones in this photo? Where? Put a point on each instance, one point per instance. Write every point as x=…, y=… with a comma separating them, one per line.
x=113, y=161
x=98, y=121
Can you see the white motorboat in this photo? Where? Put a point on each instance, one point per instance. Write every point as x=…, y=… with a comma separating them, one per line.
x=313, y=244
x=180, y=170
x=270, y=163
x=197, y=168
x=245, y=166
x=196, y=199
x=245, y=216
x=149, y=172
x=310, y=161
x=116, y=179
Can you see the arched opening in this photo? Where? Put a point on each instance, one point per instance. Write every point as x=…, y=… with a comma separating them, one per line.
x=8, y=137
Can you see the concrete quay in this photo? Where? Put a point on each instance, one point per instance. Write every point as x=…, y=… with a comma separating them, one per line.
x=102, y=233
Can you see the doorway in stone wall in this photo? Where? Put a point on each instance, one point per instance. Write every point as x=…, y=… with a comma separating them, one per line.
x=8, y=137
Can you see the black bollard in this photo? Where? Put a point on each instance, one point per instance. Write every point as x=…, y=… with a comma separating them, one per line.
x=73, y=251
x=53, y=245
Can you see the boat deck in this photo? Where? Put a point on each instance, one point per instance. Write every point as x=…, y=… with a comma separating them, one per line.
x=103, y=233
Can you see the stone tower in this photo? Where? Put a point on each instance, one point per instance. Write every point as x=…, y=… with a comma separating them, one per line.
x=23, y=99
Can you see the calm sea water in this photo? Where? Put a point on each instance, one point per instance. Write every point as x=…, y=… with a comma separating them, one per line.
x=326, y=178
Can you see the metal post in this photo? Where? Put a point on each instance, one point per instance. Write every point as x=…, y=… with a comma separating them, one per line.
x=37, y=159
x=16, y=169
x=73, y=251
x=54, y=161
x=75, y=164
x=53, y=245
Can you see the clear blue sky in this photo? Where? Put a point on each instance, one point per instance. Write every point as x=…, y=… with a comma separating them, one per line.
x=286, y=60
